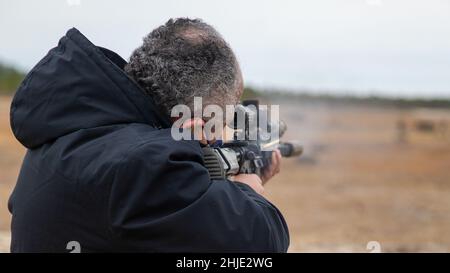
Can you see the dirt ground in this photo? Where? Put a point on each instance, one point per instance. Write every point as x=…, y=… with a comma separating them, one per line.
x=363, y=177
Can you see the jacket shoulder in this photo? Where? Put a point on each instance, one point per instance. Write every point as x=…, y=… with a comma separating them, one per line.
x=160, y=145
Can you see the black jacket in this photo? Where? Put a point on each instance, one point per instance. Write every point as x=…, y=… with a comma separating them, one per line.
x=102, y=169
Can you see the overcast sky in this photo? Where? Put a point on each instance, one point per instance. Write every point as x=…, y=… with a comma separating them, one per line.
x=387, y=47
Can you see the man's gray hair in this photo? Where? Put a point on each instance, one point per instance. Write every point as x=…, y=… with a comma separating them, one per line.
x=183, y=59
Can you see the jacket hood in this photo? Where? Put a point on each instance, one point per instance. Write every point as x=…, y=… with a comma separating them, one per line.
x=78, y=85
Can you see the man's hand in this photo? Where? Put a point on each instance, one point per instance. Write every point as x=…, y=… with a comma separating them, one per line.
x=273, y=168
x=254, y=181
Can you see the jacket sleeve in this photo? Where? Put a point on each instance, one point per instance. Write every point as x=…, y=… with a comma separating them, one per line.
x=162, y=200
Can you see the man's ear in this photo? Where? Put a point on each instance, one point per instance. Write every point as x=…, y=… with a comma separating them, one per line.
x=193, y=122
x=196, y=125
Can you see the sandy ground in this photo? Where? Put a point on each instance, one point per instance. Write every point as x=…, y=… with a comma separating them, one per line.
x=356, y=182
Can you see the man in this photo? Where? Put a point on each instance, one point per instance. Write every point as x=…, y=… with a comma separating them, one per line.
x=102, y=171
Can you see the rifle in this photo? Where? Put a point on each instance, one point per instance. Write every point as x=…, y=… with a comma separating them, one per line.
x=244, y=154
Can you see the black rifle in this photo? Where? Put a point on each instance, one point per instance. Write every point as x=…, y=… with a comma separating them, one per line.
x=242, y=154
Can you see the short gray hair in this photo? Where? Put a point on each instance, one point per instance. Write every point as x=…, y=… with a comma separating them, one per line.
x=183, y=59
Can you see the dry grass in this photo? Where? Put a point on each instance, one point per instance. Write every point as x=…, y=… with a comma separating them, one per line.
x=354, y=184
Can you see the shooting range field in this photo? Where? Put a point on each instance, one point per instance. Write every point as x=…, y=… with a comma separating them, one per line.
x=369, y=173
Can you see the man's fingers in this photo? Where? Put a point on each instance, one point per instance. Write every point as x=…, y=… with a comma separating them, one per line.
x=278, y=157
x=273, y=165
x=276, y=160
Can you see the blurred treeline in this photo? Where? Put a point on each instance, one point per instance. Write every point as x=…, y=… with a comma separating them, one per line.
x=10, y=78
x=307, y=96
